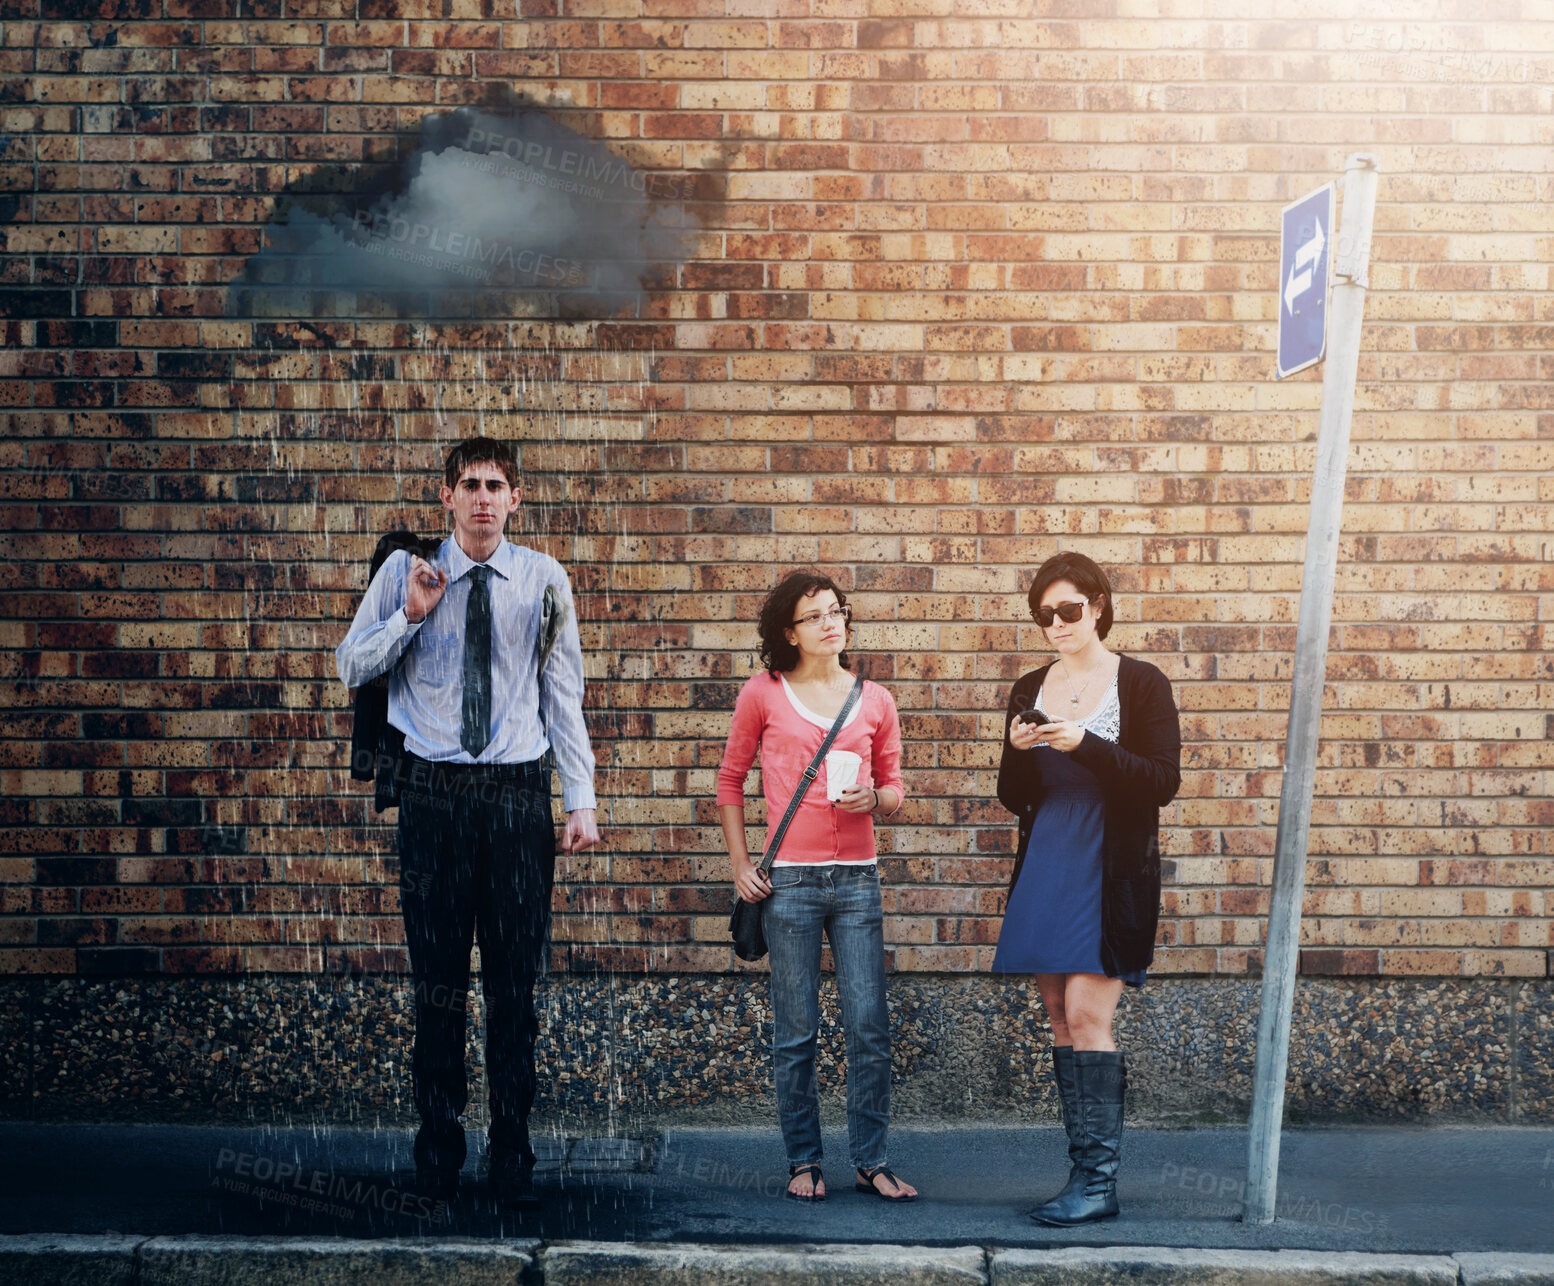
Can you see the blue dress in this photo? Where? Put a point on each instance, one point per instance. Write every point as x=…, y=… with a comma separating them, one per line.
x=1052, y=923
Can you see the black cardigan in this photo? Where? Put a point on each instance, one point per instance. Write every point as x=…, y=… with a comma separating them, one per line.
x=1139, y=775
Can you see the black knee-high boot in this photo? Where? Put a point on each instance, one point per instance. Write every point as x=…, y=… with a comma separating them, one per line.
x=1100, y=1078
x=1068, y=1095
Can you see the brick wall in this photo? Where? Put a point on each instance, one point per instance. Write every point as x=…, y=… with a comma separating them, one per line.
x=974, y=282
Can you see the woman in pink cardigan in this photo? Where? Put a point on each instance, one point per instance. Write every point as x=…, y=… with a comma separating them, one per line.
x=825, y=877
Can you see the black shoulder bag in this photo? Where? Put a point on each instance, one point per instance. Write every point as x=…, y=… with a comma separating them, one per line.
x=745, y=922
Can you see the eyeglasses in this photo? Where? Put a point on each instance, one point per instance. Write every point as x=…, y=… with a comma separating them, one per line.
x=825, y=618
x=1069, y=612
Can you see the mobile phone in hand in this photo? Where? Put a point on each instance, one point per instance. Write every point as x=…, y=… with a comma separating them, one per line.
x=1036, y=715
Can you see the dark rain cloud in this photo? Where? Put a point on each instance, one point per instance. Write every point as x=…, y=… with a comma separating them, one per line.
x=491, y=215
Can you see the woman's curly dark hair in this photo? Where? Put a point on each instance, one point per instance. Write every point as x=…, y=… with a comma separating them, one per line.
x=777, y=613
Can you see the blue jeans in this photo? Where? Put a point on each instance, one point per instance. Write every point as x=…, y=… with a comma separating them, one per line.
x=844, y=901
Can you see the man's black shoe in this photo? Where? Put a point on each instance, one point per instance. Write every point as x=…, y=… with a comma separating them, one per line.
x=512, y=1182
x=436, y=1183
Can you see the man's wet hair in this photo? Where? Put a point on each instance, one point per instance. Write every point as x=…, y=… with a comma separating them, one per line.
x=481, y=451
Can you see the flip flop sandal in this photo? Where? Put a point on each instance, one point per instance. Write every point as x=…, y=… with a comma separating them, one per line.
x=872, y=1175
x=794, y=1171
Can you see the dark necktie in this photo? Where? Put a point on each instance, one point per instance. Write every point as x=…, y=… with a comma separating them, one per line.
x=475, y=728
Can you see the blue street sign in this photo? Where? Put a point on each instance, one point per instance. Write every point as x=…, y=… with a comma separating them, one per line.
x=1305, y=251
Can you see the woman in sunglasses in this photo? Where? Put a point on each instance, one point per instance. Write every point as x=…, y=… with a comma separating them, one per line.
x=825, y=877
x=1092, y=752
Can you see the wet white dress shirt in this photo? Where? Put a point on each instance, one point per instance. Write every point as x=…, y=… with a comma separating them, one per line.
x=529, y=713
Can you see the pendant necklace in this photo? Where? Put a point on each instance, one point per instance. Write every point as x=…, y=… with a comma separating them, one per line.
x=1073, y=696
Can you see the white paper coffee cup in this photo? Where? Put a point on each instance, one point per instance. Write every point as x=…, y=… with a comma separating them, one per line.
x=841, y=772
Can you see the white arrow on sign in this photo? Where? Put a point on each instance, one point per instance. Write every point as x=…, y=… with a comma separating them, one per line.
x=1306, y=258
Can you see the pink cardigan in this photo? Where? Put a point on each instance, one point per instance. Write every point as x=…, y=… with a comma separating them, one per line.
x=765, y=716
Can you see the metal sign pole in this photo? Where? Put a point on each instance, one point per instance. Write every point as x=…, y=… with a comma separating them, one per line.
x=1345, y=318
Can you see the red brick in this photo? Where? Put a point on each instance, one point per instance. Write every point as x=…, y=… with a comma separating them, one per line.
x=932, y=345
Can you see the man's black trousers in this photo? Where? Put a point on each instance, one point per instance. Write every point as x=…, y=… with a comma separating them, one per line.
x=477, y=858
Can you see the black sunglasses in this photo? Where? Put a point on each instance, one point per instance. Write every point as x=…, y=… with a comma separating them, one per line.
x=1069, y=612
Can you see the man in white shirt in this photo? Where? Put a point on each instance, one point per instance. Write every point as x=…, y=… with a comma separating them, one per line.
x=460, y=636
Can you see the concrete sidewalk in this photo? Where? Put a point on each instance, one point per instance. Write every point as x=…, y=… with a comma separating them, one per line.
x=1436, y=1190
x=1375, y=1192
